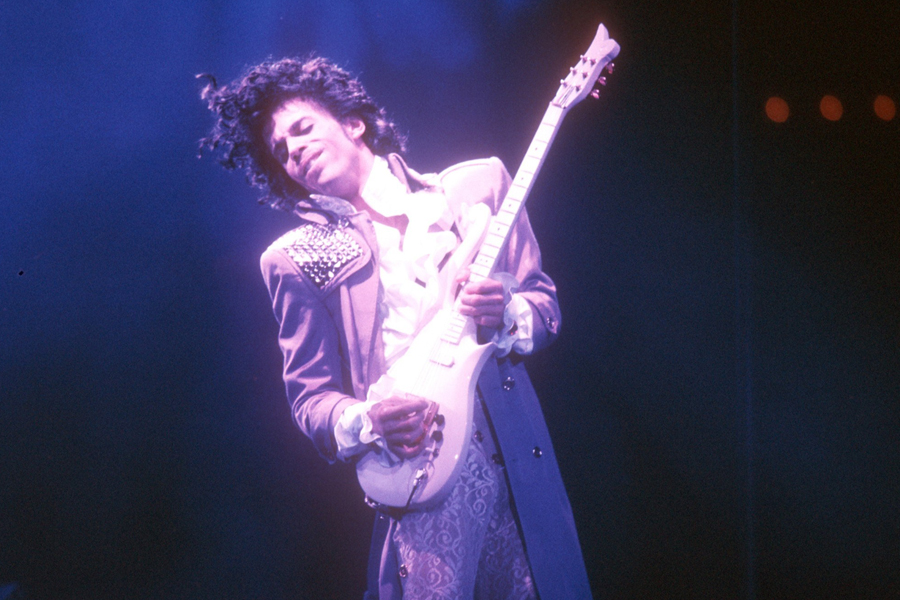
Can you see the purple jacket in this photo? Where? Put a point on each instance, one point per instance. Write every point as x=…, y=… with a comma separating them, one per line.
x=323, y=281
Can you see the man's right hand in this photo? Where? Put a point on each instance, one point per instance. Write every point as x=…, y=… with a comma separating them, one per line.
x=401, y=422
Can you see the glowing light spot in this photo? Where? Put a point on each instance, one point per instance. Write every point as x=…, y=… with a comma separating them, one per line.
x=885, y=108
x=831, y=108
x=777, y=109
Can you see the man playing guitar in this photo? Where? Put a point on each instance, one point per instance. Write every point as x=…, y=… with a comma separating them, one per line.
x=380, y=252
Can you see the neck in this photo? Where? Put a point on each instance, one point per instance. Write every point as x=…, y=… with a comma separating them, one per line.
x=366, y=160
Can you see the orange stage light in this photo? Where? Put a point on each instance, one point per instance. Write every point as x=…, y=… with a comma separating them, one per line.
x=777, y=109
x=831, y=108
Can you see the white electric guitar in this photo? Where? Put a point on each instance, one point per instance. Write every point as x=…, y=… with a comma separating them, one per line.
x=443, y=363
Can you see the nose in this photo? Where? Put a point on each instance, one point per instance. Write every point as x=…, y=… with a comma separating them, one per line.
x=295, y=149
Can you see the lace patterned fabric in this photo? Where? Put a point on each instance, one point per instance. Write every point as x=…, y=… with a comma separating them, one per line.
x=469, y=546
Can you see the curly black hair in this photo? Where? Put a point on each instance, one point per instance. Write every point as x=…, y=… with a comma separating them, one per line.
x=244, y=107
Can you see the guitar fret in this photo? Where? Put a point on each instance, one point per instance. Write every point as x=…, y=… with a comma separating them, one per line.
x=504, y=217
x=514, y=198
x=523, y=179
x=494, y=240
x=516, y=194
x=530, y=164
x=453, y=332
x=450, y=339
x=484, y=261
x=544, y=133
x=498, y=228
x=489, y=251
x=510, y=205
x=553, y=115
x=478, y=272
x=537, y=150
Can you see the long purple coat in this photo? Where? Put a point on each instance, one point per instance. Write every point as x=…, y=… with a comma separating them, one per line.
x=323, y=281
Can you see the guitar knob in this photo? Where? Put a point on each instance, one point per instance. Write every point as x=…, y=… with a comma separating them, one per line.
x=439, y=420
x=437, y=436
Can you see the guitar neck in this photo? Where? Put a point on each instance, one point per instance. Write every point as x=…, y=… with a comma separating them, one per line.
x=502, y=223
x=573, y=89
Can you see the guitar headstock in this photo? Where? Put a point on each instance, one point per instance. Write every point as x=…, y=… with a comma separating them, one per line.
x=579, y=83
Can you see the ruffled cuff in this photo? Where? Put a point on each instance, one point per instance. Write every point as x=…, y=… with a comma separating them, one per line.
x=353, y=431
x=353, y=434
x=518, y=328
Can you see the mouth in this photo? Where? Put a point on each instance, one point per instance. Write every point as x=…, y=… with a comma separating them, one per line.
x=307, y=163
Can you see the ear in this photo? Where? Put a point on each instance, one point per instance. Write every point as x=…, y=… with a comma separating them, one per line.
x=354, y=127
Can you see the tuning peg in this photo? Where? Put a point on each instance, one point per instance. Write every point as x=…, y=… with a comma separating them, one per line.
x=595, y=94
x=601, y=81
x=610, y=67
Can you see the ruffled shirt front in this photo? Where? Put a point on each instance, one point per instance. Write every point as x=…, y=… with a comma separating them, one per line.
x=414, y=289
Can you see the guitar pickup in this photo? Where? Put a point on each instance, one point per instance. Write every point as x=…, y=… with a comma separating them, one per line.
x=443, y=355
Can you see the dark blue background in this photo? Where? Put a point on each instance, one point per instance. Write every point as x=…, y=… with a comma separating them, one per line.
x=724, y=398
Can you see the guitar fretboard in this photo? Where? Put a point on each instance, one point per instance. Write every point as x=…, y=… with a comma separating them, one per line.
x=502, y=223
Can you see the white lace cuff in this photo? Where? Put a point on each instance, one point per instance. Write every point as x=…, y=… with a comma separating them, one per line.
x=353, y=434
x=518, y=328
x=353, y=431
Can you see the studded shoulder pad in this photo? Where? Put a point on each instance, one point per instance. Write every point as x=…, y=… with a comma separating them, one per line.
x=320, y=251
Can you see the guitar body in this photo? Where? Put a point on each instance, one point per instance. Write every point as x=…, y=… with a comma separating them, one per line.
x=445, y=373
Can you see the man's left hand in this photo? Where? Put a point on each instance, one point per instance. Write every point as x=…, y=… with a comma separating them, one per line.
x=483, y=301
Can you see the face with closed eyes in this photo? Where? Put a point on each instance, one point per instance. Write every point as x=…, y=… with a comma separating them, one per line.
x=324, y=155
